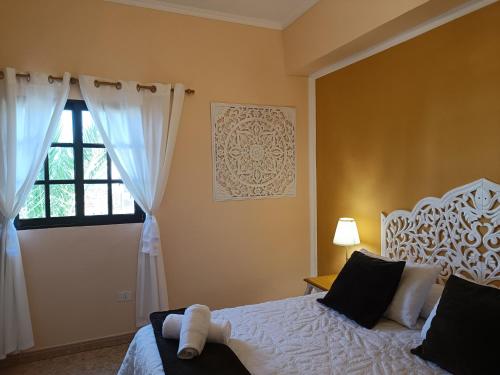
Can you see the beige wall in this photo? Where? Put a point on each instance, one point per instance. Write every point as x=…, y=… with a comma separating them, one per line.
x=331, y=24
x=334, y=30
x=414, y=121
x=221, y=254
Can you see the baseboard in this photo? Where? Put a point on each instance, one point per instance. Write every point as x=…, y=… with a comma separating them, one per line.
x=57, y=351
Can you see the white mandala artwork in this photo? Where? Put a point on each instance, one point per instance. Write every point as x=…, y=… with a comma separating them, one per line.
x=253, y=151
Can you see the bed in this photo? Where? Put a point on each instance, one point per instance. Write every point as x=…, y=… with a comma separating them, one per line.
x=460, y=232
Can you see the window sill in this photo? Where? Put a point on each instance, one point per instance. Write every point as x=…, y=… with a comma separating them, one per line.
x=65, y=222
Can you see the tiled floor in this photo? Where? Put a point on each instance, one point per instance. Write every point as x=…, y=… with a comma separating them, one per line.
x=104, y=361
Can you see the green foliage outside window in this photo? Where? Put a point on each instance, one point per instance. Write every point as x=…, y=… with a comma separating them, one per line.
x=61, y=176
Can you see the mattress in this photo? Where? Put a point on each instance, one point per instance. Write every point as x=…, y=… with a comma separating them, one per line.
x=300, y=336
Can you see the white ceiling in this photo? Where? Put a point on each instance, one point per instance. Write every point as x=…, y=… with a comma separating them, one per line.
x=274, y=14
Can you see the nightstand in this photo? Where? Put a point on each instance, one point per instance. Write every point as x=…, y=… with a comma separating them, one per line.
x=319, y=283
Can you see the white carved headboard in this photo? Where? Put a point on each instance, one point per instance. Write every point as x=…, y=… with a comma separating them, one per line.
x=460, y=232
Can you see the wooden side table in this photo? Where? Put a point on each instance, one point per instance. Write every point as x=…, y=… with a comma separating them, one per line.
x=319, y=283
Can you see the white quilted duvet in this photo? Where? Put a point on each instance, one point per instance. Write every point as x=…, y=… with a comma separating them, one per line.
x=299, y=336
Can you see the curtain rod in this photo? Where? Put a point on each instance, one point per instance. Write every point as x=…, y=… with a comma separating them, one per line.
x=97, y=83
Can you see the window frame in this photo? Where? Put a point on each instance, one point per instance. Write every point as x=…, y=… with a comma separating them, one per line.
x=77, y=107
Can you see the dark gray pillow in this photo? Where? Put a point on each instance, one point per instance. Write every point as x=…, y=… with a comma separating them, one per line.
x=463, y=337
x=364, y=288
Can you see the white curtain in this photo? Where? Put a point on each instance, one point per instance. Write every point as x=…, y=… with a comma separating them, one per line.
x=29, y=117
x=139, y=128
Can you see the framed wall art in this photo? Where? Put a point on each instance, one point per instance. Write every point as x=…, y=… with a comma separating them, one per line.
x=253, y=149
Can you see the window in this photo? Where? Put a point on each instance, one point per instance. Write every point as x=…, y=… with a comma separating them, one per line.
x=78, y=184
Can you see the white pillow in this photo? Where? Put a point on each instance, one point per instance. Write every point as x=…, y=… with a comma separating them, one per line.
x=414, y=286
x=427, y=324
x=433, y=296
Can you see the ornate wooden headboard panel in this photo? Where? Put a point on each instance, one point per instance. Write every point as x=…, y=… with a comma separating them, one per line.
x=460, y=232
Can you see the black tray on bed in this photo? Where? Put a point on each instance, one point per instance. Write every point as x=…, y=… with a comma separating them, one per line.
x=216, y=359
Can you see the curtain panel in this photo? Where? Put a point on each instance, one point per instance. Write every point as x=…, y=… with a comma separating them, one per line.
x=29, y=118
x=139, y=129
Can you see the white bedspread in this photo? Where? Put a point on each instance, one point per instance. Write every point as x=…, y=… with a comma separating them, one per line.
x=300, y=336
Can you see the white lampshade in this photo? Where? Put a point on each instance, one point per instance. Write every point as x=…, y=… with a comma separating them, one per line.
x=346, y=233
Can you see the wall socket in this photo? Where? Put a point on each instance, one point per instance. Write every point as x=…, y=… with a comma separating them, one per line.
x=124, y=296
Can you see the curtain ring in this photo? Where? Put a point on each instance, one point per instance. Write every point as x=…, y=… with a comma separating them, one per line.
x=117, y=85
x=151, y=88
x=1, y=74
x=51, y=79
x=28, y=77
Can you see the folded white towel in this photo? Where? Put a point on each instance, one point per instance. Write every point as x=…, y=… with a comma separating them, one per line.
x=219, y=331
x=194, y=331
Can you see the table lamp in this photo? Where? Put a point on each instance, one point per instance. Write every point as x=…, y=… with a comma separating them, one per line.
x=346, y=234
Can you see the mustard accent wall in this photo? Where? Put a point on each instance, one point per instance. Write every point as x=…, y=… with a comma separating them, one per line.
x=413, y=121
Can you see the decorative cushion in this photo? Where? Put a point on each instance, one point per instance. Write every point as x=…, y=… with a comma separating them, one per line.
x=463, y=335
x=364, y=288
x=428, y=321
x=415, y=284
x=432, y=298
